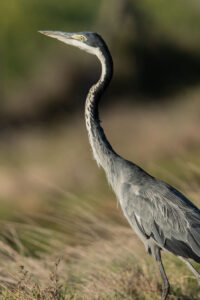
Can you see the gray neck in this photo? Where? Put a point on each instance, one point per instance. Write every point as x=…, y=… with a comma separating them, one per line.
x=102, y=150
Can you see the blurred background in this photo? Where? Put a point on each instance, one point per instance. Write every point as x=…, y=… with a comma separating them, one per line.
x=52, y=195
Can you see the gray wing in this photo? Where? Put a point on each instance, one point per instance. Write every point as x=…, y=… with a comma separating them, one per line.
x=165, y=215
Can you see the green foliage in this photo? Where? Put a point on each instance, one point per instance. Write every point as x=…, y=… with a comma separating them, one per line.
x=20, y=21
x=178, y=20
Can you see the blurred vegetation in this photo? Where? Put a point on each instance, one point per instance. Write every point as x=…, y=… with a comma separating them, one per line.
x=155, y=46
x=62, y=235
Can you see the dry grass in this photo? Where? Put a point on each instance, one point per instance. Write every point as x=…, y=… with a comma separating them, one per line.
x=117, y=268
x=56, y=206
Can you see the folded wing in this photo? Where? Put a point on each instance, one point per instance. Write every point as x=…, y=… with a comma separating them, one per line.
x=165, y=215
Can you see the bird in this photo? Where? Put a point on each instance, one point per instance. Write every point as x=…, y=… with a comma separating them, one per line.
x=162, y=217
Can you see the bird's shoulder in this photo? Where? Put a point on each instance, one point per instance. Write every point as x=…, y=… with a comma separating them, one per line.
x=138, y=185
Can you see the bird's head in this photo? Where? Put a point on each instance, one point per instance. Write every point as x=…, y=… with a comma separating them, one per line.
x=89, y=41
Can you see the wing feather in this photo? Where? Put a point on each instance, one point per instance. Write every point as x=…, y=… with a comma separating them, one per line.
x=163, y=213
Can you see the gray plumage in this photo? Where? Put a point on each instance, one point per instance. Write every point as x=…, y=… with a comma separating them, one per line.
x=161, y=216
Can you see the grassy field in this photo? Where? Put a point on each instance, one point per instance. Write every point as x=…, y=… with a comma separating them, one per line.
x=63, y=236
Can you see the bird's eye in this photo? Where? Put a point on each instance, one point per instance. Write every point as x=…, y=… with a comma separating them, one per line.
x=81, y=38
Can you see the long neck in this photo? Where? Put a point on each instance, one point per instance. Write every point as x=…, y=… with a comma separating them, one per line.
x=102, y=150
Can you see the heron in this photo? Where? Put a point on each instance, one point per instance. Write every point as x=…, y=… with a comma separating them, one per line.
x=162, y=217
